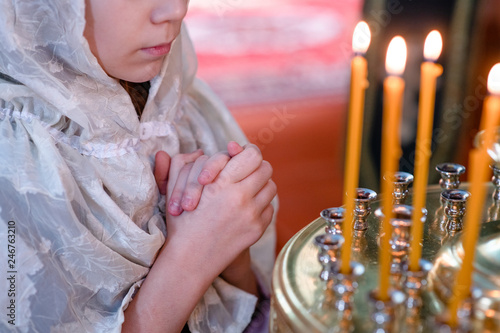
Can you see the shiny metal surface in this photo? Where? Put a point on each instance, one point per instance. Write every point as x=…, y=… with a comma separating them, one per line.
x=299, y=300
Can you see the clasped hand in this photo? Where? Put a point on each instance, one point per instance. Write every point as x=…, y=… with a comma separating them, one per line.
x=220, y=204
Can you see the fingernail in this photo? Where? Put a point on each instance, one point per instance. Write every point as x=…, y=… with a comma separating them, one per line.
x=174, y=207
x=204, y=175
x=187, y=203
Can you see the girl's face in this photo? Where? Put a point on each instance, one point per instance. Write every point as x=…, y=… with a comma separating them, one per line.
x=130, y=38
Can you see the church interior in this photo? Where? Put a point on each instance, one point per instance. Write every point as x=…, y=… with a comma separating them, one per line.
x=282, y=68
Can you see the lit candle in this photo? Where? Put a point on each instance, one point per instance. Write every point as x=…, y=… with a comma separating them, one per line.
x=429, y=71
x=391, y=150
x=479, y=171
x=359, y=83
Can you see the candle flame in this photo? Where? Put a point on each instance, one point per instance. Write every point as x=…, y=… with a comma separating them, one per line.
x=433, y=46
x=361, y=37
x=395, y=60
x=494, y=80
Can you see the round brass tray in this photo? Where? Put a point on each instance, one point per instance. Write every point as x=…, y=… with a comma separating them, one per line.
x=297, y=291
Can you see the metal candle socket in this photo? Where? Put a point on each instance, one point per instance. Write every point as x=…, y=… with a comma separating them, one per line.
x=384, y=312
x=496, y=182
x=401, y=180
x=494, y=209
x=414, y=283
x=345, y=285
x=467, y=311
x=401, y=233
x=363, y=200
x=334, y=217
x=454, y=208
x=329, y=248
x=450, y=175
x=465, y=315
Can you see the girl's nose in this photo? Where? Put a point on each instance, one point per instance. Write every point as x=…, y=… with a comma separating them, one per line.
x=169, y=10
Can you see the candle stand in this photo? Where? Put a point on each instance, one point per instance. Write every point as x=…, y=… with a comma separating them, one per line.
x=307, y=290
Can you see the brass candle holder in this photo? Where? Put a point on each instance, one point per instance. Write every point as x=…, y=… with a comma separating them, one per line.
x=316, y=299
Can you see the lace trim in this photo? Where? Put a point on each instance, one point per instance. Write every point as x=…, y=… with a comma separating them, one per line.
x=156, y=129
x=98, y=150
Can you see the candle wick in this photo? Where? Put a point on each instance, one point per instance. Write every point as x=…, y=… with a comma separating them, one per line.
x=359, y=53
x=395, y=74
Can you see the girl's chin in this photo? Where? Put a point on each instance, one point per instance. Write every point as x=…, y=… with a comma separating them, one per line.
x=142, y=74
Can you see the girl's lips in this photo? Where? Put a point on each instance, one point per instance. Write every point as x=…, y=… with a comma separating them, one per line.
x=158, y=50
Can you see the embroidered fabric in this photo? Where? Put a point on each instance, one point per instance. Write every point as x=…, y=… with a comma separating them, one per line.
x=76, y=175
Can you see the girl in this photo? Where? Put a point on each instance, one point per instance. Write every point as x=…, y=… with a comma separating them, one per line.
x=90, y=92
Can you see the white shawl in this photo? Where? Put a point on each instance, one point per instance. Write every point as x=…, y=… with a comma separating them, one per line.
x=76, y=176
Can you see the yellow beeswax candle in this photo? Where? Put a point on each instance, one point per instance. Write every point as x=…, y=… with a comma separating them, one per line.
x=429, y=71
x=391, y=150
x=479, y=171
x=359, y=83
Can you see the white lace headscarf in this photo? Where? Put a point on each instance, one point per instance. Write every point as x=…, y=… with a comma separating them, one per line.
x=76, y=174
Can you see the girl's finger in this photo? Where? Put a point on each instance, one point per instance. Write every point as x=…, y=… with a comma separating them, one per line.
x=242, y=165
x=162, y=165
x=176, y=164
x=264, y=197
x=174, y=202
x=192, y=190
x=234, y=148
x=212, y=167
x=258, y=179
